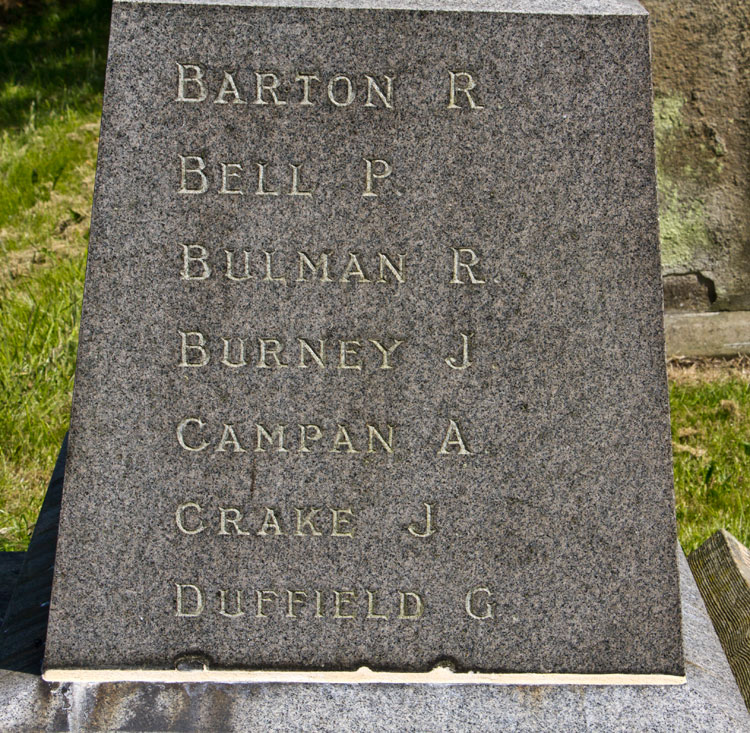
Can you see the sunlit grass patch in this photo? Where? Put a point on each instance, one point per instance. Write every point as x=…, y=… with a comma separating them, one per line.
x=710, y=403
x=46, y=179
x=43, y=240
x=39, y=316
x=52, y=62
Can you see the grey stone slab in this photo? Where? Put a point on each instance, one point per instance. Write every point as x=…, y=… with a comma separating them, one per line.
x=515, y=214
x=707, y=334
x=710, y=701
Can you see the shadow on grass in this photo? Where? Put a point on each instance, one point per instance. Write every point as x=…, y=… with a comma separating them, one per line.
x=24, y=627
x=52, y=57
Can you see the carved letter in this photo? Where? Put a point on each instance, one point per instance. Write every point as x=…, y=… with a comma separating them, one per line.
x=373, y=433
x=305, y=348
x=178, y=518
x=342, y=439
x=462, y=82
x=262, y=191
x=345, y=351
x=353, y=269
x=268, y=277
x=342, y=598
x=318, y=604
x=453, y=437
x=196, y=79
x=269, y=83
x=371, y=174
x=262, y=596
x=263, y=434
x=228, y=87
x=306, y=79
x=223, y=605
x=225, y=359
x=307, y=522
x=270, y=522
x=234, y=521
x=228, y=437
x=338, y=523
x=201, y=357
x=230, y=266
x=372, y=86
x=474, y=260
x=349, y=91
x=270, y=347
x=317, y=434
x=295, y=182
x=181, y=439
x=371, y=607
x=194, y=253
x=386, y=352
x=197, y=161
x=470, y=608
x=397, y=271
x=418, y=606
x=198, y=605
x=454, y=363
x=226, y=173
x=322, y=265
x=294, y=597
x=428, y=528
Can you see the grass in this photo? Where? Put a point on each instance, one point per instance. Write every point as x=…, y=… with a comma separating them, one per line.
x=710, y=402
x=52, y=57
x=39, y=334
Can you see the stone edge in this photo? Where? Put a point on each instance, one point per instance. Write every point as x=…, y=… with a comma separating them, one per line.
x=364, y=675
x=522, y=7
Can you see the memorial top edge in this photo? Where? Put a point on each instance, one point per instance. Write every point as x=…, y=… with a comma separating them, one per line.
x=531, y=7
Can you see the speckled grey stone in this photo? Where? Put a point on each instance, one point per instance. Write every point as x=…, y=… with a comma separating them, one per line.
x=558, y=504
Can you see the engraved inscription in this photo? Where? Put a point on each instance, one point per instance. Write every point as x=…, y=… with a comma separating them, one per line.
x=197, y=83
x=462, y=362
x=193, y=600
x=259, y=177
x=302, y=266
x=426, y=528
x=461, y=84
x=192, y=519
x=195, y=435
x=354, y=354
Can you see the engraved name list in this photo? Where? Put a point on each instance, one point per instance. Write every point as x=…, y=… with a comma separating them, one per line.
x=285, y=266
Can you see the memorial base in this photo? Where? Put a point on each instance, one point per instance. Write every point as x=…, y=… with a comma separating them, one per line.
x=708, y=701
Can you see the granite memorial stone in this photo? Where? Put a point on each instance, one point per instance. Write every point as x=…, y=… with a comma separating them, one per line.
x=371, y=367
